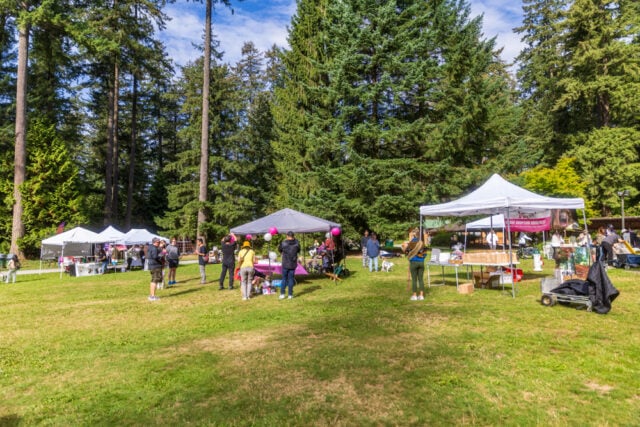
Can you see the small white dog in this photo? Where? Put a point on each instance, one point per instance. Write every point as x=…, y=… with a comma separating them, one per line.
x=386, y=265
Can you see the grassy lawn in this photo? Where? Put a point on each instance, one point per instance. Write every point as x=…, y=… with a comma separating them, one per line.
x=94, y=351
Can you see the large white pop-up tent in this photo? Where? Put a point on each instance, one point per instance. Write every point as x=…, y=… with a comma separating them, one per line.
x=75, y=242
x=499, y=196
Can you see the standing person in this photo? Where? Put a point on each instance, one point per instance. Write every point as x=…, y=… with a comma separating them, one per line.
x=154, y=263
x=12, y=266
x=522, y=241
x=556, y=243
x=173, y=259
x=363, y=244
x=600, y=235
x=289, y=248
x=373, y=251
x=330, y=249
x=246, y=260
x=102, y=259
x=162, y=251
x=201, y=250
x=492, y=240
x=607, y=244
x=416, y=254
x=229, y=246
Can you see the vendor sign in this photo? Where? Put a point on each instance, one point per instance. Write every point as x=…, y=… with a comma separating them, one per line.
x=532, y=225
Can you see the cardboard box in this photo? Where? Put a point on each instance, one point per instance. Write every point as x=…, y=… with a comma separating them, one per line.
x=465, y=288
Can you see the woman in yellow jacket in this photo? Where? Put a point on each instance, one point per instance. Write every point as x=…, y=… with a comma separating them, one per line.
x=246, y=260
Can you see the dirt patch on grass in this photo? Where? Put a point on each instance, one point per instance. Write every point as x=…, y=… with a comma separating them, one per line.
x=600, y=388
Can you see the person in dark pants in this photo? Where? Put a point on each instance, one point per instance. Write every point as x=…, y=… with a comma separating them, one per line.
x=229, y=246
x=607, y=244
x=154, y=263
x=202, y=260
x=289, y=248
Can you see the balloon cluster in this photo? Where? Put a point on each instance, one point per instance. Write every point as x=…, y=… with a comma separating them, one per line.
x=268, y=236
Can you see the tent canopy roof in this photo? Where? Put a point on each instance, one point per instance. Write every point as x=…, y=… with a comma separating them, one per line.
x=495, y=221
x=110, y=234
x=75, y=235
x=139, y=236
x=498, y=195
x=286, y=220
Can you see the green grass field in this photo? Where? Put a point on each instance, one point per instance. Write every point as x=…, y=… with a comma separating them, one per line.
x=93, y=351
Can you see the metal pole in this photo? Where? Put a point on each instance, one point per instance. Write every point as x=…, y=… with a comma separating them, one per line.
x=622, y=201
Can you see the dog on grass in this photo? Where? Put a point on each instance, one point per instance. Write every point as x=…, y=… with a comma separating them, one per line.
x=386, y=265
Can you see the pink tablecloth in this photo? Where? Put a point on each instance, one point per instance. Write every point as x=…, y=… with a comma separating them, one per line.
x=276, y=268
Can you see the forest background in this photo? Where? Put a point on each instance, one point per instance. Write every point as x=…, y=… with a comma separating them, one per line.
x=373, y=109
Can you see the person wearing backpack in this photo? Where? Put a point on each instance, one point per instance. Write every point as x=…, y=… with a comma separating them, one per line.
x=246, y=260
x=173, y=258
x=289, y=248
x=13, y=266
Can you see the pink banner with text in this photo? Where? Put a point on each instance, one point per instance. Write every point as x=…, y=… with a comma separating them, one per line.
x=530, y=224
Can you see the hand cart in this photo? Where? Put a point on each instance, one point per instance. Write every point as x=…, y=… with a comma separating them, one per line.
x=550, y=298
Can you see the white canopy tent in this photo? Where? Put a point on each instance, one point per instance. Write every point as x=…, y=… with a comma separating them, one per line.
x=110, y=235
x=75, y=242
x=499, y=196
x=139, y=236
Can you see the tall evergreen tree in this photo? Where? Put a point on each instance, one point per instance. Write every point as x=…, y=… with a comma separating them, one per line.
x=385, y=102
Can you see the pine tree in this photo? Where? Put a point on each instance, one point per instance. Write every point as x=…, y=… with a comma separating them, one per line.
x=51, y=192
x=385, y=102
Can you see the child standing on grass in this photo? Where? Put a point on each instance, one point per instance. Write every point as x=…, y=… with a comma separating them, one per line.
x=13, y=266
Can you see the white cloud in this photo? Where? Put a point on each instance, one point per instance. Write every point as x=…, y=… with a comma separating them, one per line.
x=499, y=20
x=250, y=21
x=265, y=23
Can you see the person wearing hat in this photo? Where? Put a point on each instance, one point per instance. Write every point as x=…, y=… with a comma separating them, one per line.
x=289, y=248
x=154, y=263
x=229, y=247
x=246, y=260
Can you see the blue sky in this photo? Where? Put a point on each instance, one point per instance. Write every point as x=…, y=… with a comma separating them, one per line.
x=265, y=22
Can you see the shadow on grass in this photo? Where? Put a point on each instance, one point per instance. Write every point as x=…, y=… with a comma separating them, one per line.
x=10, y=420
x=185, y=292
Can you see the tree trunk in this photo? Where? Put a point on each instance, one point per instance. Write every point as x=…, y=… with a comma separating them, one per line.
x=132, y=153
x=204, y=139
x=115, y=156
x=111, y=160
x=108, y=173
x=20, y=157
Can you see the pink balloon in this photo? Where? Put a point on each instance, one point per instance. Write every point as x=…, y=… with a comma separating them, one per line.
x=335, y=231
x=248, y=237
x=273, y=231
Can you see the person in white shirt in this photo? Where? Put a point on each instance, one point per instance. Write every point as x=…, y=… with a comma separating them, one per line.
x=492, y=240
x=522, y=241
x=556, y=242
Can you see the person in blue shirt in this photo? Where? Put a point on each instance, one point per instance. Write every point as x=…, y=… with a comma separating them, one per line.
x=373, y=251
x=416, y=253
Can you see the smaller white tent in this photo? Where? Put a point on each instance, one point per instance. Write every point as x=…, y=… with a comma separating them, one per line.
x=110, y=235
x=495, y=221
x=139, y=236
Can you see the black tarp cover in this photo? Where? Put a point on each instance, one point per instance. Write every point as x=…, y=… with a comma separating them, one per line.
x=597, y=287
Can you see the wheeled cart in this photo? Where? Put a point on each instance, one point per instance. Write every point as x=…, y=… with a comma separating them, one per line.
x=550, y=298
